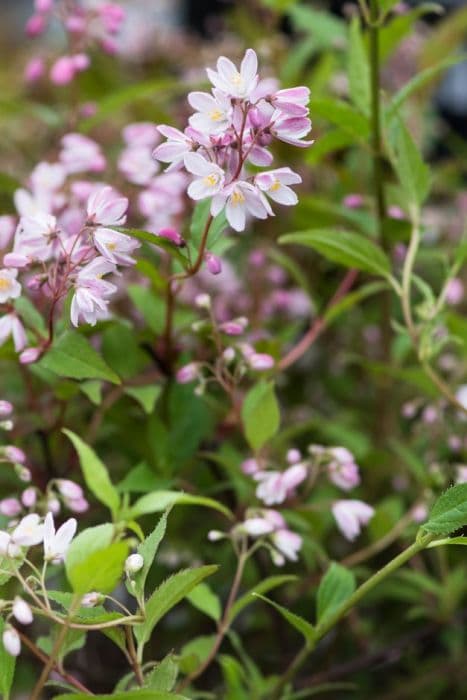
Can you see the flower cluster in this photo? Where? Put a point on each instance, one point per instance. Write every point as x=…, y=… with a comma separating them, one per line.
x=233, y=126
x=86, y=24
x=64, y=240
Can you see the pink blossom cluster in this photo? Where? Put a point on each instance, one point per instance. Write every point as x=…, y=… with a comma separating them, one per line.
x=233, y=127
x=63, y=240
x=88, y=24
x=59, y=492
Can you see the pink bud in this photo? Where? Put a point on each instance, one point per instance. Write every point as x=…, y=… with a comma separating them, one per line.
x=53, y=505
x=250, y=466
x=29, y=497
x=236, y=327
x=63, y=71
x=293, y=456
x=353, y=201
x=14, y=454
x=68, y=489
x=6, y=408
x=77, y=505
x=213, y=263
x=10, y=507
x=91, y=599
x=15, y=260
x=261, y=361
x=30, y=355
x=173, y=236
x=34, y=70
x=188, y=373
x=35, y=26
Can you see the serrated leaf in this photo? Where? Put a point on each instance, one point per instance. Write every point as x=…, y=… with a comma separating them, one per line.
x=71, y=355
x=413, y=173
x=148, y=550
x=260, y=414
x=100, y=571
x=337, y=585
x=349, y=249
x=359, y=69
x=301, y=625
x=160, y=500
x=169, y=593
x=449, y=513
x=95, y=474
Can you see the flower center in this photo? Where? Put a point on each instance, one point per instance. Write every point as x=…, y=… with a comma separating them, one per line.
x=275, y=186
x=216, y=115
x=5, y=284
x=211, y=180
x=237, y=197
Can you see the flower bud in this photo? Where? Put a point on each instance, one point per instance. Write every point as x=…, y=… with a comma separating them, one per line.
x=293, y=456
x=68, y=489
x=134, y=563
x=203, y=301
x=261, y=361
x=29, y=497
x=77, y=505
x=11, y=641
x=173, y=236
x=213, y=263
x=35, y=26
x=14, y=454
x=228, y=355
x=43, y=5
x=30, y=355
x=22, y=612
x=6, y=408
x=15, y=260
x=10, y=507
x=63, y=70
x=23, y=473
x=90, y=600
x=188, y=373
x=53, y=505
x=215, y=535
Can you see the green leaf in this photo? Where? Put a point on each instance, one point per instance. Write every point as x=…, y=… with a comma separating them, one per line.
x=139, y=694
x=146, y=396
x=413, y=173
x=198, y=222
x=148, y=550
x=158, y=241
x=262, y=587
x=343, y=115
x=343, y=247
x=359, y=70
x=260, y=414
x=300, y=624
x=7, y=666
x=164, y=675
x=449, y=513
x=71, y=355
x=100, y=571
x=337, y=585
x=95, y=474
x=448, y=540
x=88, y=541
x=160, y=500
x=93, y=390
x=169, y=593
x=204, y=599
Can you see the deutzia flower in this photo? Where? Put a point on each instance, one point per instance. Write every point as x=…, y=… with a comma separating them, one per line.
x=91, y=292
x=240, y=198
x=29, y=532
x=10, y=288
x=214, y=112
x=236, y=83
x=275, y=184
x=56, y=543
x=210, y=176
x=350, y=516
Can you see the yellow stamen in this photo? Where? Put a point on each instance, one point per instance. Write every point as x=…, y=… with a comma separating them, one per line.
x=275, y=186
x=210, y=180
x=237, y=197
x=5, y=284
x=215, y=115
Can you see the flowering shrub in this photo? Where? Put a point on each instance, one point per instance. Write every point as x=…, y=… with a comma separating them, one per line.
x=213, y=441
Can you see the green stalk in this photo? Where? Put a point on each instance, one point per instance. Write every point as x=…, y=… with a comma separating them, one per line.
x=331, y=621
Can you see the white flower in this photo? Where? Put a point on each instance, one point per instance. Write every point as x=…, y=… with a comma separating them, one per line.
x=29, y=532
x=56, y=543
x=11, y=641
x=214, y=113
x=21, y=611
x=236, y=83
x=106, y=207
x=350, y=515
x=210, y=176
x=239, y=199
x=10, y=288
x=11, y=325
x=115, y=246
x=288, y=543
x=134, y=563
x=275, y=184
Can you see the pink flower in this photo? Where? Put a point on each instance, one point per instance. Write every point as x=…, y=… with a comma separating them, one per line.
x=10, y=507
x=276, y=487
x=342, y=470
x=214, y=112
x=210, y=177
x=350, y=516
x=250, y=466
x=112, y=16
x=10, y=325
x=10, y=288
x=91, y=291
x=275, y=182
x=454, y=291
x=106, y=207
x=213, y=263
x=115, y=247
x=288, y=543
x=43, y=5
x=188, y=373
x=292, y=101
x=291, y=129
x=239, y=199
x=353, y=201
x=14, y=454
x=236, y=83
x=81, y=154
x=141, y=134
x=35, y=26
x=7, y=229
x=30, y=355
x=260, y=361
x=69, y=489
x=137, y=165
x=6, y=408
x=175, y=148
